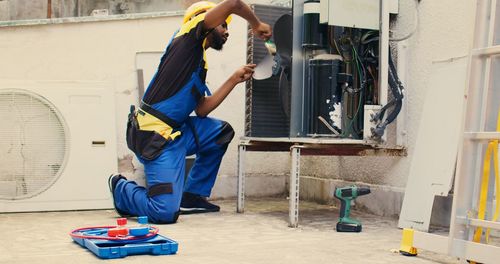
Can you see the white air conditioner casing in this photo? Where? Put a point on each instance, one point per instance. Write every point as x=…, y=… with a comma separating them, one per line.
x=354, y=13
x=86, y=148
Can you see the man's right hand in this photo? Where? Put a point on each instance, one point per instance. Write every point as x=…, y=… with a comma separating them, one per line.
x=263, y=31
x=244, y=73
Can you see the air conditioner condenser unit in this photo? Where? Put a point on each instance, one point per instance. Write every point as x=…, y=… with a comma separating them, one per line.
x=57, y=145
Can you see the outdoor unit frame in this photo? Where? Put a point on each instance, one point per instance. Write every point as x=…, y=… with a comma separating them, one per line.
x=263, y=120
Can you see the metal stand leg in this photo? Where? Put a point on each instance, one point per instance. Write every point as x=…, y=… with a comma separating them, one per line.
x=240, y=202
x=294, y=187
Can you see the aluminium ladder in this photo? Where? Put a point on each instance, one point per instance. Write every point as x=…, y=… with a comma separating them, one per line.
x=482, y=101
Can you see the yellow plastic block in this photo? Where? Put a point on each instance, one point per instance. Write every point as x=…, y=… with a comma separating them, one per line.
x=407, y=248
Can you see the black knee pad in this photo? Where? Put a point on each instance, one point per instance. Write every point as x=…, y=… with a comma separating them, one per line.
x=226, y=134
x=161, y=215
x=161, y=188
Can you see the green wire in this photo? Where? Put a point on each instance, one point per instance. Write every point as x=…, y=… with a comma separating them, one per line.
x=360, y=94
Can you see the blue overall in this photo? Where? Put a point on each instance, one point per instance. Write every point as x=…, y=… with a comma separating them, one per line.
x=208, y=138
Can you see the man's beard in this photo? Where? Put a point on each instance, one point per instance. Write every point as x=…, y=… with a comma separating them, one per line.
x=217, y=41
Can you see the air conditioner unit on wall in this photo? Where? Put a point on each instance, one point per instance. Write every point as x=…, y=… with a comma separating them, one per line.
x=57, y=145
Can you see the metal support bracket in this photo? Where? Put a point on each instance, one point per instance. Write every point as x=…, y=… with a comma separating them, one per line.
x=240, y=202
x=294, y=186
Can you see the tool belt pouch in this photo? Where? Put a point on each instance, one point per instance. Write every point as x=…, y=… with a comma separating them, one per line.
x=145, y=144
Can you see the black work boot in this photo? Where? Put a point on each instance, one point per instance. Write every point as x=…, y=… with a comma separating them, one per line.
x=112, y=181
x=195, y=204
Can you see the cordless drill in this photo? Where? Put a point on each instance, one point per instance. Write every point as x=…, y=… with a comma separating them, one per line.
x=346, y=195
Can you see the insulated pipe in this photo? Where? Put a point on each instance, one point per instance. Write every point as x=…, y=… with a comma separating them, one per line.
x=297, y=126
x=384, y=52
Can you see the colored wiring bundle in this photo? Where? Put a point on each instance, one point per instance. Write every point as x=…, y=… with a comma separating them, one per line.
x=100, y=232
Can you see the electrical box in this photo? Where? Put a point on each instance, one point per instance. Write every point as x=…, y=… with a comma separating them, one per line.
x=354, y=13
x=368, y=124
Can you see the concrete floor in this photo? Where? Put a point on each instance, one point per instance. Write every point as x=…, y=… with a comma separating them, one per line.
x=260, y=235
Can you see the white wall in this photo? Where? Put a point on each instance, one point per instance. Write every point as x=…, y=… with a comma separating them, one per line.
x=105, y=51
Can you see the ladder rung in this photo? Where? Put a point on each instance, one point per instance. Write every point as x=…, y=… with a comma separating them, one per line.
x=484, y=223
x=488, y=51
x=482, y=135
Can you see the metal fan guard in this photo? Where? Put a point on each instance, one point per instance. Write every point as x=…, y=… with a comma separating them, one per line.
x=43, y=132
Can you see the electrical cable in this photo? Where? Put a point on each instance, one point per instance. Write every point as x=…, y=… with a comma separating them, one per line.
x=397, y=92
x=369, y=40
x=358, y=64
x=398, y=104
x=331, y=37
x=362, y=87
x=375, y=85
x=365, y=40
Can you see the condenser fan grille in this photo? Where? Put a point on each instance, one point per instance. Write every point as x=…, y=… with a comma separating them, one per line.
x=33, y=144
